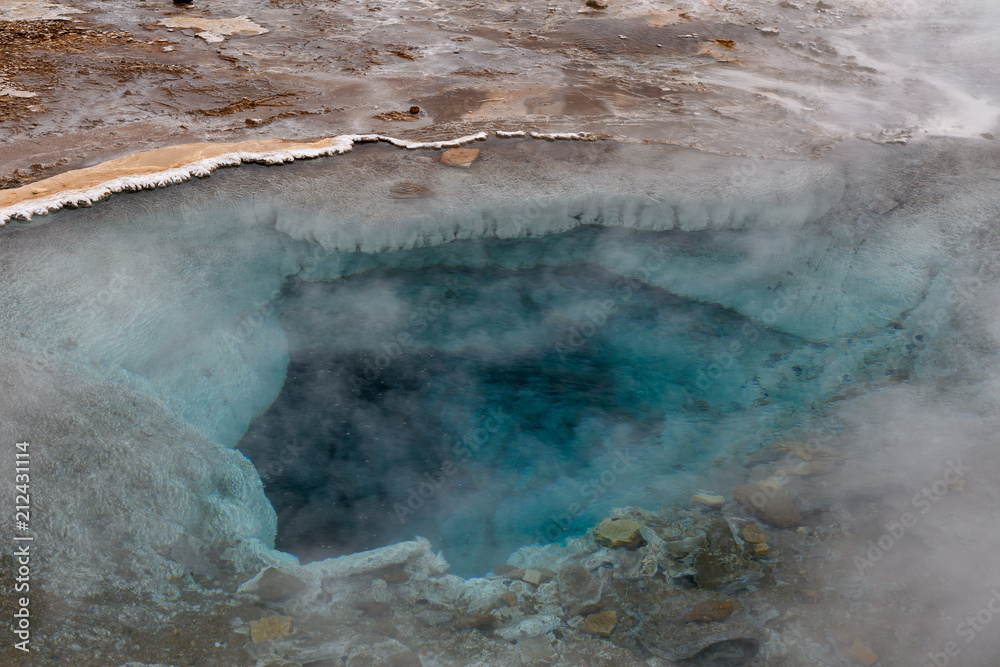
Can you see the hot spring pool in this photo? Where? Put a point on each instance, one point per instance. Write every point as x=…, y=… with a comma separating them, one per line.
x=273, y=367
x=459, y=397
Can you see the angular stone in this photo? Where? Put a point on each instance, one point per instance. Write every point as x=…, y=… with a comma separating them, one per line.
x=509, y=599
x=757, y=539
x=619, y=534
x=769, y=503
x=459, y=157
x=602, y=623
x=270, y=628
x=537, y=577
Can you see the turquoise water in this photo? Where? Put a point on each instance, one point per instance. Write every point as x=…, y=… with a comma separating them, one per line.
x=487, y=408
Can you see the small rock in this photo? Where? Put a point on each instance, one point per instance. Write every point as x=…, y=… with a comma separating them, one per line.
x=537, y=577
x=414, y=110
x=509, y=599
x=601, y=623
x=270, y=628
x=710, y=610
x=619, y=534
x=862, y=653
x=709, y=500
x=757, y=538
x=509, y=571
x=460, y=157
x=769, y=503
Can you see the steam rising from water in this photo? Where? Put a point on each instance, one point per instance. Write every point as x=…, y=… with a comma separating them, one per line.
x=853, y=296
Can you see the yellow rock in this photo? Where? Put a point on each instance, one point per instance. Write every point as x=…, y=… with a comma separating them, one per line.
x=270, y=628
x=619, y=534
x=459, y=157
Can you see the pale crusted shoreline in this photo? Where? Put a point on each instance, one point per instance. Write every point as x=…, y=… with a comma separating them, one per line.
x=175, y=164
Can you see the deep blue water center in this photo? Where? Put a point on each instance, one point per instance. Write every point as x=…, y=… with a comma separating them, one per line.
x=487, y=408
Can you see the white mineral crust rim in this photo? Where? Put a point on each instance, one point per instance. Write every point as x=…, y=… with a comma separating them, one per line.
x=31, y=205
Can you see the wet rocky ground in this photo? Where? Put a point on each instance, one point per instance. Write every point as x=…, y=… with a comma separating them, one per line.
x=87, y=80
